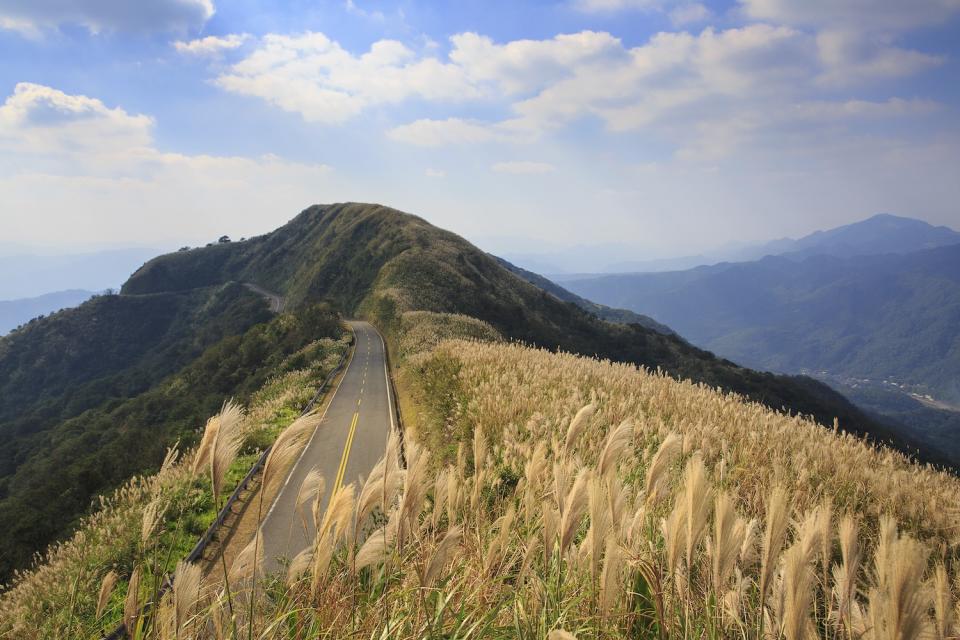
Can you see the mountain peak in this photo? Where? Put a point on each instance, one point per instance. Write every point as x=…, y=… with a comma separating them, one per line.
x=878, y=234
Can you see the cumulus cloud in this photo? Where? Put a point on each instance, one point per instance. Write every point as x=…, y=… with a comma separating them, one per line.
x=64, y=152
x=314, y=76
x=435, y=173
x=39, y=120
x=675, y=83
x=211, y=45
x=31, y=16
x=526, y=65
x=523, y=167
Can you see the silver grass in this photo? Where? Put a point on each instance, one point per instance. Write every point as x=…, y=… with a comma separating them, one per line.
x=697, y=498
x=943, y=602
x=373, y=550
x=186, y=591
x=312, y=485
x=573, y=508
x=300, y=564
x=131, y=603
x=656, y=480
x=616, y=445
x=798, y=593
x=225, y=445
x=845, y=574
x=777, y=520
x=577, y=426
x=442, y=554
x=725, y=542
x=610, y=577
x=249, y=561
x=106, y=588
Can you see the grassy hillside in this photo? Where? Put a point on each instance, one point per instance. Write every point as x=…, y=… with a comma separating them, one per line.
x=545, y=491
x=118, y=411
x=380, y=262
x=152, y=521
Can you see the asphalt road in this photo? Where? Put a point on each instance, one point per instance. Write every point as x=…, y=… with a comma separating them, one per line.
x=352, y=435
x=277, y=303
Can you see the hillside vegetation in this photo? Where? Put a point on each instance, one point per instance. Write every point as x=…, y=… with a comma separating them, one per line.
x=140, y=532
x=546, y=492
x=379, y=262
x=63, y=451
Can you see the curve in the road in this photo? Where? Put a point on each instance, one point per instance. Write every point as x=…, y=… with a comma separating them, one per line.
x=350, y=439
x=277, y=302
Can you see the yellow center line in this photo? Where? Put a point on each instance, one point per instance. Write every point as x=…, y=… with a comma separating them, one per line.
x=346, y=452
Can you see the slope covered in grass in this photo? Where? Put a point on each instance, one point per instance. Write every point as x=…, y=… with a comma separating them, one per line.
x=379, y=262
x=54, y=473
x=153, y=520
x=546, y=491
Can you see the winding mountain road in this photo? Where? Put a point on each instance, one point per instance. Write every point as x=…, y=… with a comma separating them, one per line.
x=277, y=302
x=349, y=441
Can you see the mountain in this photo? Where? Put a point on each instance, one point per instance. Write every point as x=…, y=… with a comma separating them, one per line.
x=880, y=234
x=601, y=311
x=378, y=262
x=26, y=273
x=92, y=395
x=864, y=319
x=14, y=313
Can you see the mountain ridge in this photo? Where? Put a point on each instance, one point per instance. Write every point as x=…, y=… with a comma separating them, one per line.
x=379, y=262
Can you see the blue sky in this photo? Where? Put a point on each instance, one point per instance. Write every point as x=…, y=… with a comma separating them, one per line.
x=660, y=127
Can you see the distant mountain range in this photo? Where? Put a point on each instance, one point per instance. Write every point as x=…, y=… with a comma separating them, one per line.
x=869, y=307
x=883, y=233
x=14, y=313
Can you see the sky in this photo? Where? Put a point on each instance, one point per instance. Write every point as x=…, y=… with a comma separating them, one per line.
x=659, y=127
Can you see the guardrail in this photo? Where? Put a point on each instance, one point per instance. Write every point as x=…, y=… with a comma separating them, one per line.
x=197, y=552
x=396, y=399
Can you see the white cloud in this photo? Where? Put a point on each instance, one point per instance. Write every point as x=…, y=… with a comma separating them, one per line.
x=31, y=16
x=64, y=152
x=609, y=6
x=860, y=15
x=211, y=45
x=37, y=120
x=676, y=84
x=435, y=173
x=525, y=65
x=852, y=57
x=523, y=167
x=314, y=76
x=687, y=14
x=435, y=133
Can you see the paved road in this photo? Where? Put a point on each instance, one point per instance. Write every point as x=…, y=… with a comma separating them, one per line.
x=277, y=302
x=353, y=434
